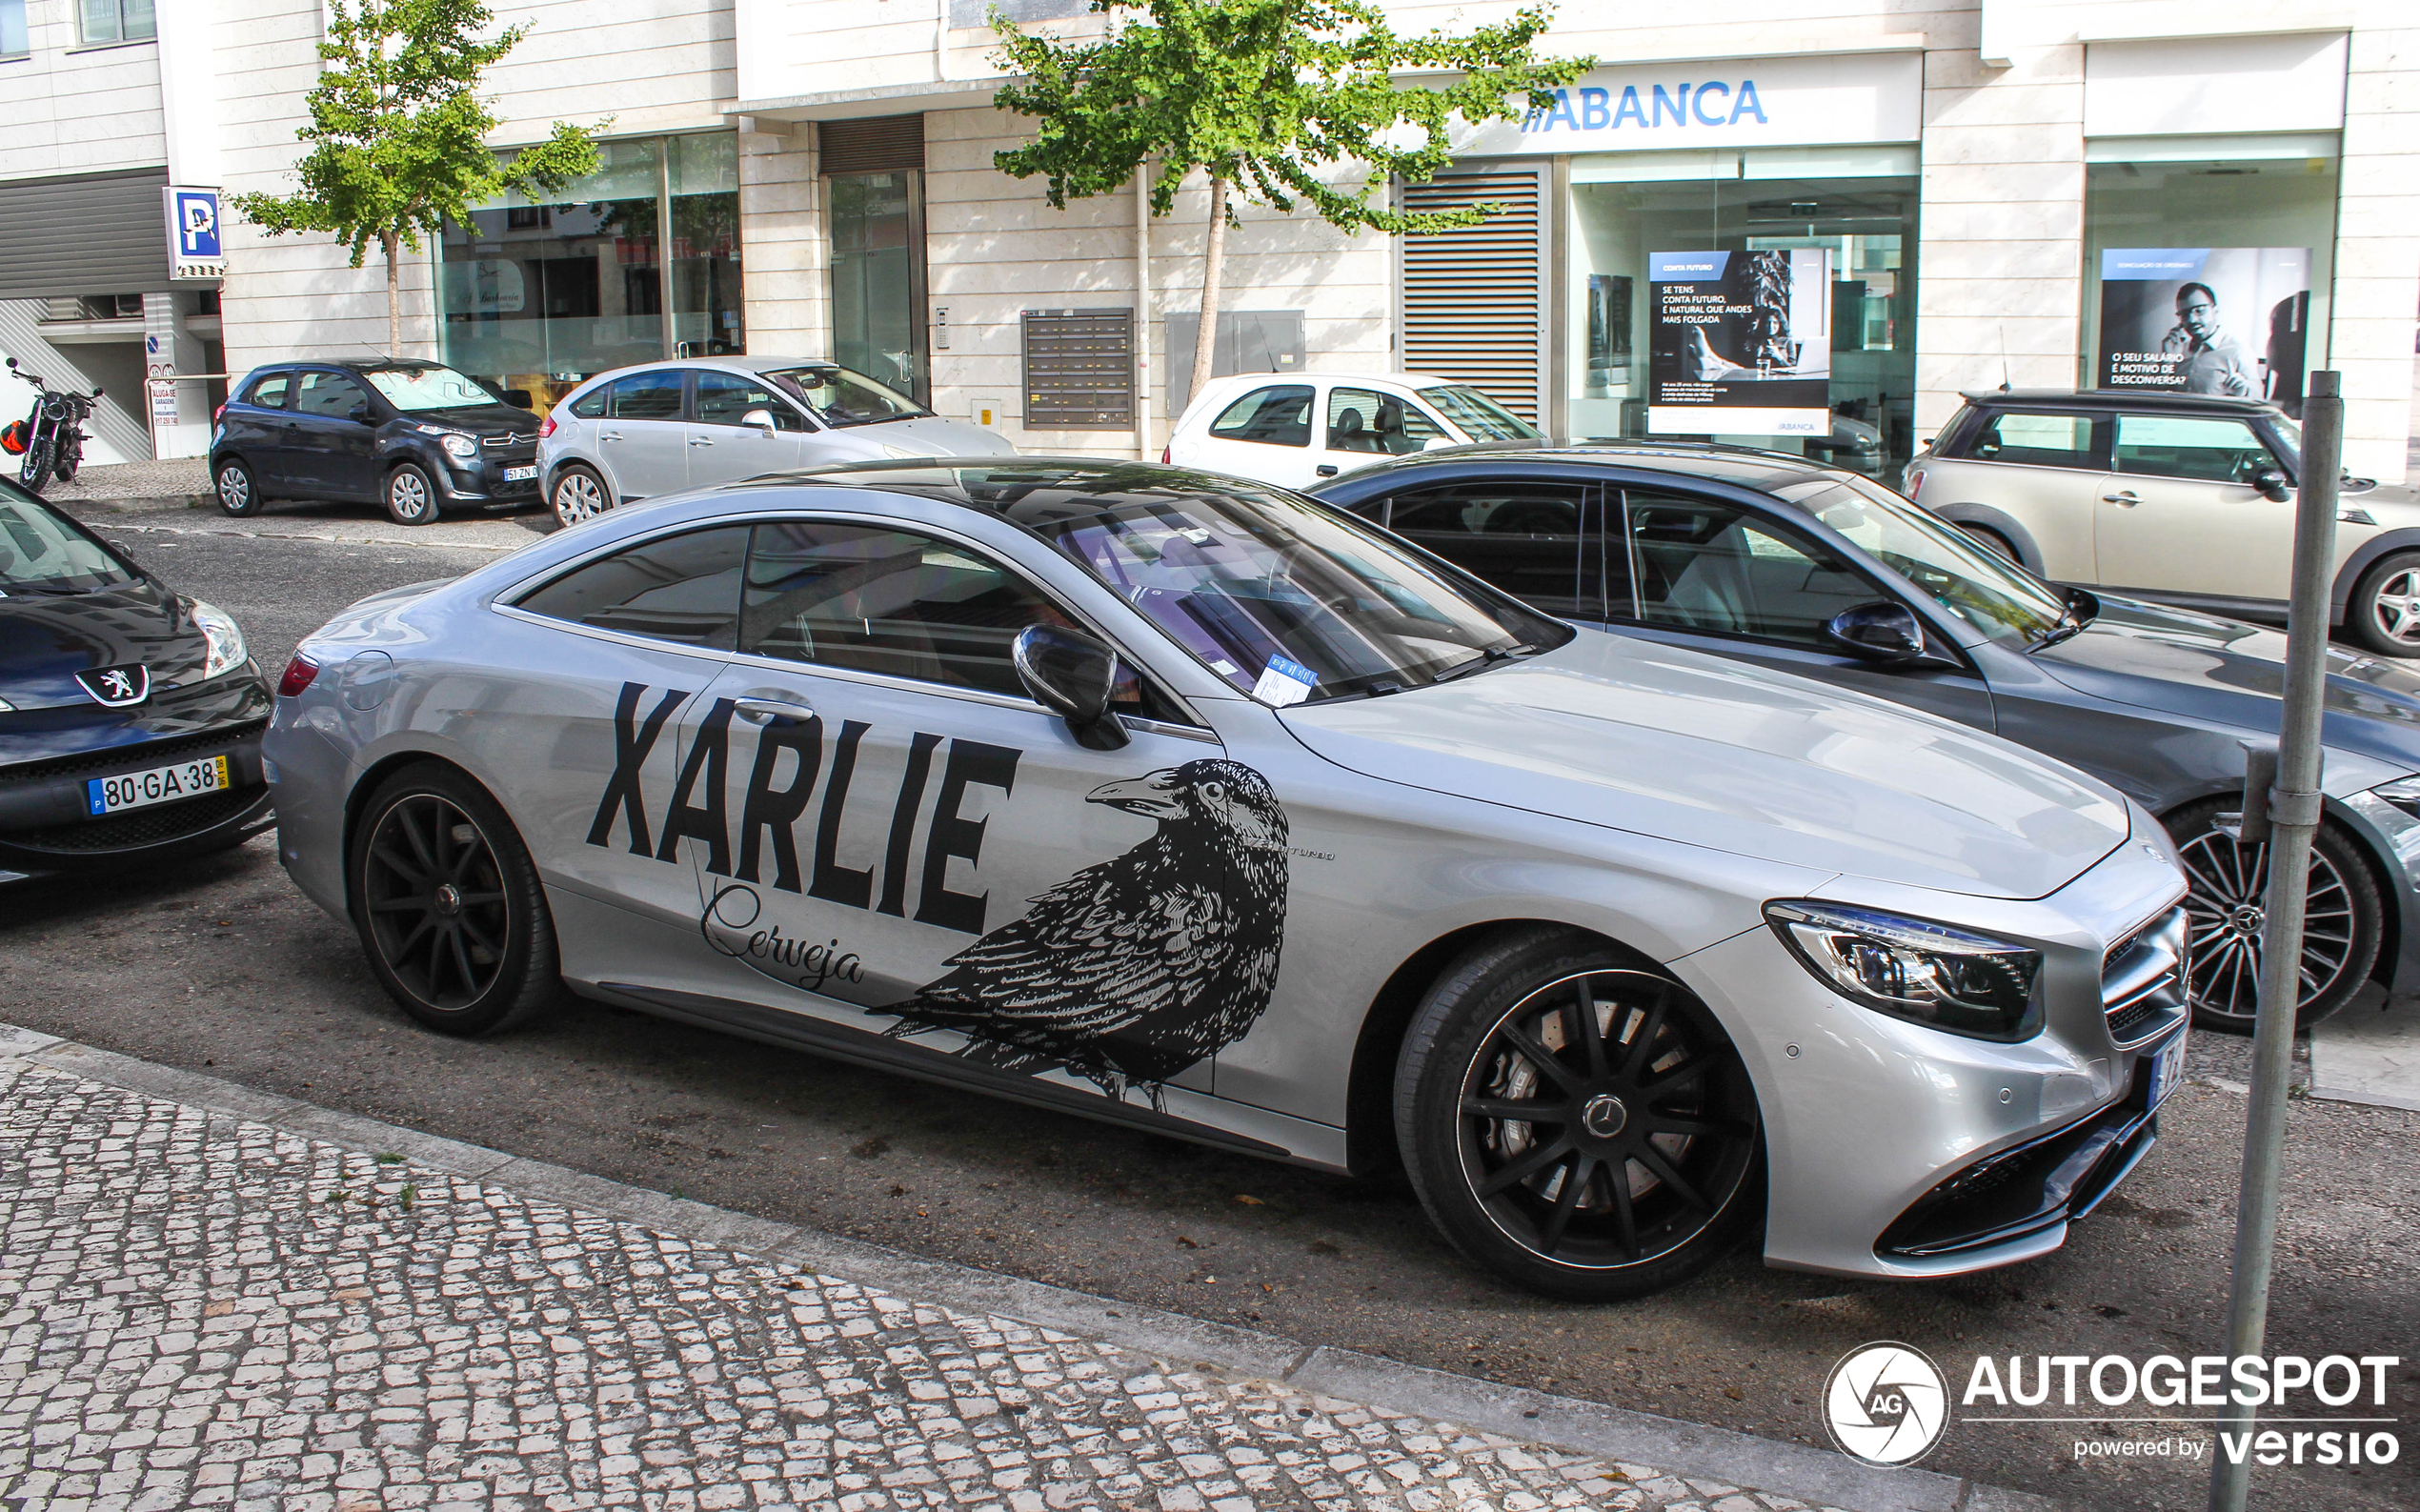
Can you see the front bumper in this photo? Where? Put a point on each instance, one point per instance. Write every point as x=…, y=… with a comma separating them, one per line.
x=482, y=481
x=46, y=826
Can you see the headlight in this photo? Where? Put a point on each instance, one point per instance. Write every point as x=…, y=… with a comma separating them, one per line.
x=1914, y=969
x=2404, y=792
x=227, y=651
x=458, y=445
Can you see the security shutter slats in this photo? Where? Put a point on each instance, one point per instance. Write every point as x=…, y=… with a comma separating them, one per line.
x=1079, y=370
x=874, y=144
x=89, y=233
x=1475, y=299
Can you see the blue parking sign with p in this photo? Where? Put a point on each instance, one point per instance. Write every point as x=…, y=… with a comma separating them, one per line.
x=196, y=211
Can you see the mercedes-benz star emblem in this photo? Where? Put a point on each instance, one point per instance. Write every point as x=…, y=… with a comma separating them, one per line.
x=1605, y=1116
x=1886, y=1403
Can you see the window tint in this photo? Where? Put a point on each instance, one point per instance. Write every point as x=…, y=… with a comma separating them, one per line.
x=647, y=397
x=269, y=392
x=1379, y=424
x=1274, y=416
x=2214, y=450
x=330, y=394
x=1523, y=538
x=677, y=588
x=590, y=406
x=2034, y=440
x=723, y=398
x=1705, y=565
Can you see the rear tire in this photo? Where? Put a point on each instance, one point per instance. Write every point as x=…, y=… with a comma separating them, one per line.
x=411, y=495
x=448, y=906
x=1579, y=1126
x=2229, y=881
x=239, y=493
x=579, y=493
x=71, y=457
x=2383, y=615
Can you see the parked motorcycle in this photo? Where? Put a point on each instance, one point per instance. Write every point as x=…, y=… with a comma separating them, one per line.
x=50, y=437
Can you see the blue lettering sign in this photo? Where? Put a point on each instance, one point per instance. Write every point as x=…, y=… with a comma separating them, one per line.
x=1665, y=102
x=1629, y=109
x=1594, y=116
x=1706, y=92
x=1712, y=104
x=1748, y=103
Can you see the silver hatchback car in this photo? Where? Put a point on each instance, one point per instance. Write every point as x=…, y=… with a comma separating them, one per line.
x=637, y=433
x=1197, y=806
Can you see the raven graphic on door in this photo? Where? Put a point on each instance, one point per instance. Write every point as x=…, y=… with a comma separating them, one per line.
x=1130, y=971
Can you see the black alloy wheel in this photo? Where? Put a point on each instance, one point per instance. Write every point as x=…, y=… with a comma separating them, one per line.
x=449, y=905
x=1577, y=1126
x=2342, y=926
x=411, y=496
x=237, y=493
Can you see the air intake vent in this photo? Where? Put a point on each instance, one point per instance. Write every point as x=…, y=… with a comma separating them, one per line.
x=875, y=144
x=1475, y=299
x=2142, y=981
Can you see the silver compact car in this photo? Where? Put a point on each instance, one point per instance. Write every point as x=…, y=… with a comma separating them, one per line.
x=638, y=432
x=1198, y=807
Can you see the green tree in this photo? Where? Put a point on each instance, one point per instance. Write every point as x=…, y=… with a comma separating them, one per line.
x=398, y=133
x=1263, y=94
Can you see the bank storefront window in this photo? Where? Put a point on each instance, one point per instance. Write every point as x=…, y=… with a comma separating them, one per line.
x=2207, y=264
x=543, y=295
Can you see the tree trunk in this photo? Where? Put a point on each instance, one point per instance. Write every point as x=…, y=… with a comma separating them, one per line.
x=394, y=297
x=1213, y=258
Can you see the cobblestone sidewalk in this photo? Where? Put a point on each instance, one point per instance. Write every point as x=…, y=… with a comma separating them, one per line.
x=201, y=1311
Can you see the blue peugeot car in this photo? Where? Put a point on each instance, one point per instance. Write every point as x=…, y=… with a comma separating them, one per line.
x=130, y=714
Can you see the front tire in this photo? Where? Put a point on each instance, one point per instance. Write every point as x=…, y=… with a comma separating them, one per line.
x=35, y=470
x=411, y=495
x=1579, y=1126
x=238, y=495
x=579, y=495
x=2383, y=615
x=2342, y=926
x=448, y=906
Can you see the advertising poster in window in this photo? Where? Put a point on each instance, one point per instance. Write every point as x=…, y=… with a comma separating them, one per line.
x=2223, y=320
x=1741, y=343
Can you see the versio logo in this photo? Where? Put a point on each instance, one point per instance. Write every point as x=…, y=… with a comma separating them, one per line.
x=1885, y=1404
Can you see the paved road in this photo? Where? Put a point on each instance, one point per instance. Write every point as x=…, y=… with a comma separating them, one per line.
x=226, y=966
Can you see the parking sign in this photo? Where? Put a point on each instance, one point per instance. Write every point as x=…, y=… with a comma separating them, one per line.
x=194, y=250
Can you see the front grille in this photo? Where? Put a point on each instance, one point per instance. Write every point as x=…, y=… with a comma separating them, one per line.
x=152, y=753
x=151, y=826
x=2143, y=979
x=511, y=438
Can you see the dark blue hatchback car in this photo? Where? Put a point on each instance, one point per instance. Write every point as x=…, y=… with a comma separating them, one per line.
x=129, y=713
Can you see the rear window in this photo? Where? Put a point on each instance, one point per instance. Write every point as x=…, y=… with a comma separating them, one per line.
x=590, y=406
x=647, y=397
x=269, y=390
x=2033, y=439
x=1273, y=416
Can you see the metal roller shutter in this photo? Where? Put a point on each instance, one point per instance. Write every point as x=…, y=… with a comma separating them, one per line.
x=1475, y=299
x=93, y=234
x=874, y=144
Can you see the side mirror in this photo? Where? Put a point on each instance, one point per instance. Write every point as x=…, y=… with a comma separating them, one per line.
x=1435, y=443
x=519, y=399
x=1880, y=632
x=359, y=414
x=2273, y=485
x=1071, y=675
x=758, y=420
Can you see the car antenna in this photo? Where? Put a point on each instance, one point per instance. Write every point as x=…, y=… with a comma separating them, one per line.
x=2003, y=357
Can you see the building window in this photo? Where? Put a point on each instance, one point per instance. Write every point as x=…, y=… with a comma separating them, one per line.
x=115, y=20
x=13, y=34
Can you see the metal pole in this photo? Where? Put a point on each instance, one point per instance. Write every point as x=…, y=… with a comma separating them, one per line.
x=1142, y=311
x=2293, y=812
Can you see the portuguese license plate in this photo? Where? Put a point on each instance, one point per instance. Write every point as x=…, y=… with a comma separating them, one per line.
x=137, y=790
x=519, y=474
x=2168, y=1067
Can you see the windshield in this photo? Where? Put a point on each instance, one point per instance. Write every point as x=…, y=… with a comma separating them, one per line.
x=1961, y=576
x=840, y=398
x=410, y=389
x=1286, y=600
x=39, y=553
x=1479, y=418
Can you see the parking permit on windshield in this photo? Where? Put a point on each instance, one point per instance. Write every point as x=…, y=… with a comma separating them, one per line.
x=1283, y=682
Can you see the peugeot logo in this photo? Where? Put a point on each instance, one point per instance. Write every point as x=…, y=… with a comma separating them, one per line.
x=117, y=687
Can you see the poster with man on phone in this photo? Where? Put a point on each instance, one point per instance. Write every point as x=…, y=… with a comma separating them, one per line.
x=1742, y=343
x=2230, y=321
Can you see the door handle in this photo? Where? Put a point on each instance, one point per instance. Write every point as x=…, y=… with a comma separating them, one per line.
x=701, y=440
x=2124, y=498
x=1325, y=469
x=775, y=711
x=608, y=435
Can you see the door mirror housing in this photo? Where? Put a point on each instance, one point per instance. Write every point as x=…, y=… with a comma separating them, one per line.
x=1882, y=631
x=1073, y=676
x=758, y=420
x=519, y=399
x=359, y=414
x=2273, y=485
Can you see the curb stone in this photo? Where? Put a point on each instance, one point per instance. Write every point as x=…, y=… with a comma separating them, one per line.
x=1674, y=1446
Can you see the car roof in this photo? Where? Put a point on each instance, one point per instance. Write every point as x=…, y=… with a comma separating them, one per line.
x=2160, y=400
x=1027, y=491
x=1749, y=467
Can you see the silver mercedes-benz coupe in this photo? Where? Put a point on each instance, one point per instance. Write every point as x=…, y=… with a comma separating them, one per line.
x=1191, y=804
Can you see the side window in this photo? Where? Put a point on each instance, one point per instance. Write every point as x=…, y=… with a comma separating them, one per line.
x=2035, y=441
x=590, y=406
x=683, y=589
x=1379, y=424
x=331, y=396
x=723, y=398
x=899, y=604
x=2209, y=451
x=269, y=392
x=1701, y=564
x=647, y=397
x=1274, y=416
x=1521, y=536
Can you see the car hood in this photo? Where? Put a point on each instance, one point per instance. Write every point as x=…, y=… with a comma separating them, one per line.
x=927, y=436
x=2222, y=672
x=46, y=639
x=480, y=419
x=1673, y=743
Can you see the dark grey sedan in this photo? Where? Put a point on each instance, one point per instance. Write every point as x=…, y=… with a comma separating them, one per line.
x=1818, y=571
